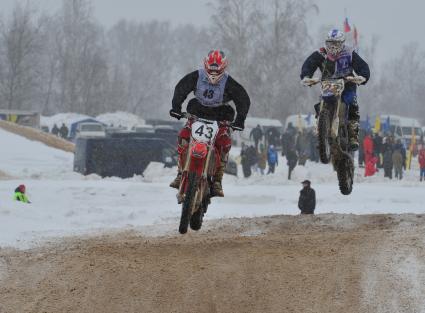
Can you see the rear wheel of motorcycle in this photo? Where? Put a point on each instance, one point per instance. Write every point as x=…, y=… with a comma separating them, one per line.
x=187, y=203
x=345, y=172
x=198, y=217
x=323, y=136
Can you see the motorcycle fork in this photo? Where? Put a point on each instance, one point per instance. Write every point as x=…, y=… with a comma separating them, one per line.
x=203, y=185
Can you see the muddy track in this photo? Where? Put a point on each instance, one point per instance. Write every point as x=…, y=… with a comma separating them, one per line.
x=328, y=263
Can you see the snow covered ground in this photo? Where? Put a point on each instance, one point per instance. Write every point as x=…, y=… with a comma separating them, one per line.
x=66, y=203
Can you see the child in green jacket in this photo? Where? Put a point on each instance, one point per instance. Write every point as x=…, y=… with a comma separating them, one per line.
x=20, y=194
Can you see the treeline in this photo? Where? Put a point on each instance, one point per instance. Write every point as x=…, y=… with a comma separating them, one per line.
x=67, y=62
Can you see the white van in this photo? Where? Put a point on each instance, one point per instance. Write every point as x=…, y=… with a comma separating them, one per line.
x=91, y=130
x=403, y=127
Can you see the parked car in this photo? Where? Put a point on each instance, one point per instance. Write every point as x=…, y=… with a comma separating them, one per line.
x=90, y=130
x=143, y=129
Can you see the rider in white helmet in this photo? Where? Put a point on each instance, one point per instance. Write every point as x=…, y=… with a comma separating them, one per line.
x=337, y=60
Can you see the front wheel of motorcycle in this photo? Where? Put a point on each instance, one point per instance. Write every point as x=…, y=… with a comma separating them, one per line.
x=345, y=172
x=323, y=136
x=198, y=217
x=187, y=203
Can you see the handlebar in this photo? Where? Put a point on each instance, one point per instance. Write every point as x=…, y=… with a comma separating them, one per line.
x=358, y=80
x=189, y=116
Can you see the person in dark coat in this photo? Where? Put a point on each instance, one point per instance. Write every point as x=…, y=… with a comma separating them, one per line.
x=252, y=155
x=63, y=131
x=292, y=158
x=307, y=200
x=246, y=166
x=287, y=138
x=377, y=148
x=257, y=135
x=55, y=130
x=387, y=148
x=272, y=136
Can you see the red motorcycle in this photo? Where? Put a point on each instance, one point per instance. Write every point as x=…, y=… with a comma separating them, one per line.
x=202, y=159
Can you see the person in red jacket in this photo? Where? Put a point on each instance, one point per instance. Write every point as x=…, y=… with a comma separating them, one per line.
x=368, y=154
x=370, y=166
x=421, y=158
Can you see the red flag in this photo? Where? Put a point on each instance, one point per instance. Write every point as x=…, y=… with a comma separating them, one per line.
x=347, y=27
x=355, y=37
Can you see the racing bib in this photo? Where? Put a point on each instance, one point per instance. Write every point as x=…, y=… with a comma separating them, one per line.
x=343, y=65
x=208, y=94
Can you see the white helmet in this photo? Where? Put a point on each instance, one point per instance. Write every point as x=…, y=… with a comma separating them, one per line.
x=335, y=42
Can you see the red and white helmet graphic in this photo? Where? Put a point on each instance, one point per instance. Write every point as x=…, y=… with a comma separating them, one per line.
x=215, y=64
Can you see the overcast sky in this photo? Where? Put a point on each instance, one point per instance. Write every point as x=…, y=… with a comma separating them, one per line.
x=396, y=22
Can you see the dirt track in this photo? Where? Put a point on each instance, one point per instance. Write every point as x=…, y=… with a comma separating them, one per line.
x=328, y=263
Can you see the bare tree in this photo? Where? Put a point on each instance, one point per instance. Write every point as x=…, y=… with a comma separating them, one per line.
x=20, y=42
x=82, y=69
x=141, y=57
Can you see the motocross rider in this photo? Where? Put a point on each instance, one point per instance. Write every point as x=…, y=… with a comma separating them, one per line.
x=213, y=89
x=337, y=60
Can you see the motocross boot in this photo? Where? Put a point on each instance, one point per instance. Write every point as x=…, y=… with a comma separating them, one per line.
x=181, y=148
x=176, y=182
x=217, y=190
x=353, y=127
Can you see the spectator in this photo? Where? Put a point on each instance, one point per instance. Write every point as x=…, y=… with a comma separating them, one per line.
x=20, y=194
x=246, y=166
x=55, y=130
x=272, y=159
x=307, y=200
x=397, y=158
x=288, y=138
x=314, y=152
x=368, y=154
x=388, y=158
x=361, y=150
x=252, y=157
x=377, y=148
x=370, y=166
x=272, y=136
x=262, y=159
x=257, y=135
x=63, y=131
x=292, y=158
x=421, y=158
x=303, y=147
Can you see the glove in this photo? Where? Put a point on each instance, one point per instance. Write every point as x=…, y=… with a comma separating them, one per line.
x=176, y=114
x=238, y=124
x=308, y=82
x=358, y=80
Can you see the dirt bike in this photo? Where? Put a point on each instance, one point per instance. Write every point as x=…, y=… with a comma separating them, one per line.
x=332, y=129
x=202, y=159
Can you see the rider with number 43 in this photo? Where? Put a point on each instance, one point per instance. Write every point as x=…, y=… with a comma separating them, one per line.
x=337, y=60
x=213, y=89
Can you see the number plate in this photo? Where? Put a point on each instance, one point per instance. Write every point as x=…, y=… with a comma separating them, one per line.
x=204, y=132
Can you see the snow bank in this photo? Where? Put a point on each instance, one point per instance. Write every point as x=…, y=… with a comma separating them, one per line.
x=121, y=118
x=58, y=119
x=24, y=158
